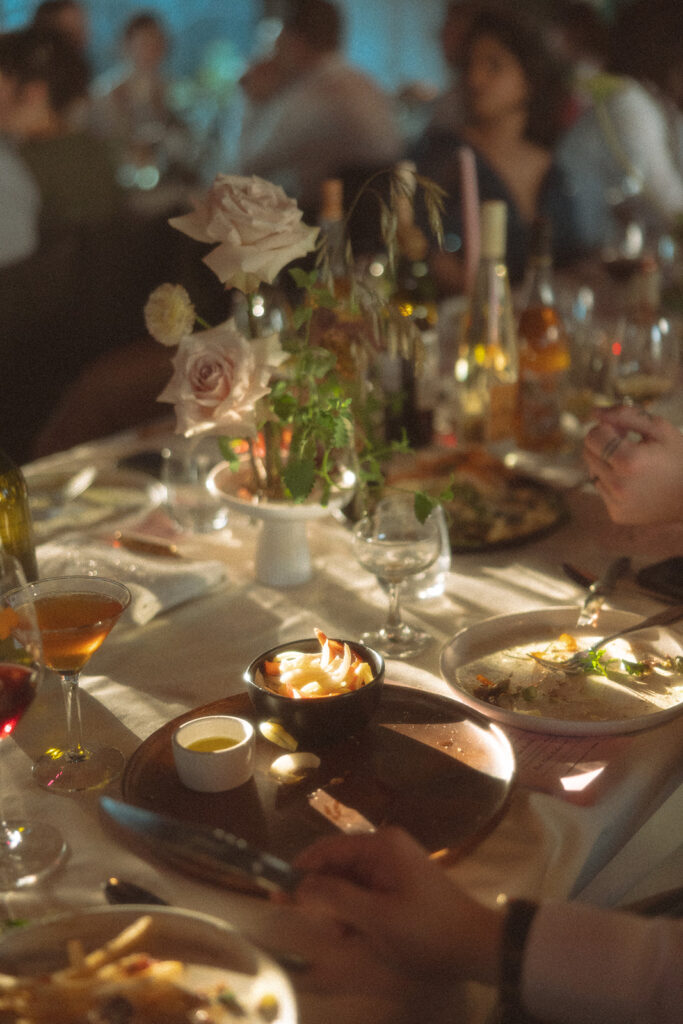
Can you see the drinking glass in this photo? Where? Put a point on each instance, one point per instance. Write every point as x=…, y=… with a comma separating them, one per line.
x=74, y=614
x=393, y=544
x=28, y=849
x=185, y=468
x=644, y=360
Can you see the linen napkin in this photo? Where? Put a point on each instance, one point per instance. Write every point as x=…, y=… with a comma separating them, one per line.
x=156, y=583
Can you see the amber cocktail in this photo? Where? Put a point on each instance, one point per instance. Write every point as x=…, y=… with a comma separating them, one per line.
x=75, y=614
x=28, y=849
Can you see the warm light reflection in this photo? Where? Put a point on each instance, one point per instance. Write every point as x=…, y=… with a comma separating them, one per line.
x=580, y=781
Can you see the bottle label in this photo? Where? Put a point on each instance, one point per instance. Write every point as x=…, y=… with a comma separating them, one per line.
x=502, y=411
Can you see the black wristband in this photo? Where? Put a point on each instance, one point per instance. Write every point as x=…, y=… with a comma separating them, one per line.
x=516, y=927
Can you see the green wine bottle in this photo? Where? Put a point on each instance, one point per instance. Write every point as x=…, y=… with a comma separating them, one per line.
x=16, y=528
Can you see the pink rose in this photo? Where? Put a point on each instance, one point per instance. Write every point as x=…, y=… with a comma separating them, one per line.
x=258, y=228
x=218, y=376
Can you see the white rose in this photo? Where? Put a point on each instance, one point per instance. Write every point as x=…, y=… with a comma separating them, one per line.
x=258, y=227
x=218, y=376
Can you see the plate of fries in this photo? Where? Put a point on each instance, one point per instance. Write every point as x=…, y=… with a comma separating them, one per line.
x=139, y=965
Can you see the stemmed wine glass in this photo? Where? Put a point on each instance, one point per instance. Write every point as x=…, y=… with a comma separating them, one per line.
x=392, y=543
x=644, y=360
x=75, y=614
x=28, y=849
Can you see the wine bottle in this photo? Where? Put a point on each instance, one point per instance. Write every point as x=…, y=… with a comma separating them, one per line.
x=331, y=224
x=487, y=366
x=414, y=296
x=16, y=528
x=415, y=291
x=544, y=353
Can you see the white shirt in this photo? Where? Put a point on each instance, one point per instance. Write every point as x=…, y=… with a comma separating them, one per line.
x=586, y=965
x=628, y=136
x=332, y=117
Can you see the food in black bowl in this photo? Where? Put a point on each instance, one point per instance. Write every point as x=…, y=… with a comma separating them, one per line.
x=318, y=690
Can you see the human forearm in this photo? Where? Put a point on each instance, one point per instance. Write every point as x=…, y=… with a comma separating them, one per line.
x=584, y=964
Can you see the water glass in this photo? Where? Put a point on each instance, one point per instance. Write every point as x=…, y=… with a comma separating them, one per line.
x=185, y=467
x=432, y=581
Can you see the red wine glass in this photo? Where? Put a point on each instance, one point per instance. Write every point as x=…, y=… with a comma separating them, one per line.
x=28, y=849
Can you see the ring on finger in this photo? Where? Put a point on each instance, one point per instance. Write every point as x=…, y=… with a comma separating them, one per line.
x=610, y=448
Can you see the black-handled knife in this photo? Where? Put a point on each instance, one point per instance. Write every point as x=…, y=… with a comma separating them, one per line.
x=209, y=852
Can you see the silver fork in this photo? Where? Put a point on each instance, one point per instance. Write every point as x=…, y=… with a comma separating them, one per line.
x=599, y=591
x=574, y=663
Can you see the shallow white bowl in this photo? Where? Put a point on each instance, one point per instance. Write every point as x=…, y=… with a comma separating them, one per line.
x=215, y=770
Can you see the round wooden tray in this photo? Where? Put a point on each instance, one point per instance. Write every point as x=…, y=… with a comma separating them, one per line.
x=425, y=762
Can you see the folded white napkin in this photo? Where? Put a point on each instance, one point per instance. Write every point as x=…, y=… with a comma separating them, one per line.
x=156, y=583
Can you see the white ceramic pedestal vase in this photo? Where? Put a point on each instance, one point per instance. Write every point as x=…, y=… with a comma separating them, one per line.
x=283, y=557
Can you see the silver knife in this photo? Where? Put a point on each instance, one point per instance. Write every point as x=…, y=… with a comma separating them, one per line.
x=212, y=853
x=600, y=590
x=346, y=819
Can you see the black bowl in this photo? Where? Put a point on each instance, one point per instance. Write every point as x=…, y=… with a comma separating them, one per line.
x=317, y=719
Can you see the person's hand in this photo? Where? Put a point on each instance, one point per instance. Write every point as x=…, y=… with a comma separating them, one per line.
x=640, y=478
x=384, y=885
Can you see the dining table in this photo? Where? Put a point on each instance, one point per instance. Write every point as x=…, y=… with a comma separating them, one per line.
x=590, y=817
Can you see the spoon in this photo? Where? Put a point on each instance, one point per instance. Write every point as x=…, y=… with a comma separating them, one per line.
x=119, y=891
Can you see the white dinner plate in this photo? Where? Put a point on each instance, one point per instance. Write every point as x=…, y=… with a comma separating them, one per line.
x=215, y=955
x=113, y=492
x=581, y=706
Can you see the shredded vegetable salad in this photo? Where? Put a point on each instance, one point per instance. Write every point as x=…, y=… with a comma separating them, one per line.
x=335, y=669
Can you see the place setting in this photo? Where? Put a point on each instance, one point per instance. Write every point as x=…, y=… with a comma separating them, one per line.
x=355, y=756
x=343, y=678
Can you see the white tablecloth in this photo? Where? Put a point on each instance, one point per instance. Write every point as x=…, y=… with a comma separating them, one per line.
x=549, y=844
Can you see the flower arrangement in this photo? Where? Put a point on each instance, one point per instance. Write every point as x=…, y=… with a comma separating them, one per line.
x=297, y=403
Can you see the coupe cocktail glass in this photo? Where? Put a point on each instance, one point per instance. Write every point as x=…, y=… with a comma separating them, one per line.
x=75, y=614
x=28, y=849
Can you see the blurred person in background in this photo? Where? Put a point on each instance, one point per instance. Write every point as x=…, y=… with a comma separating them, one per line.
x=58, y=306
x=43, y=75
x=448, y=110
x=420, y=108
x=623, y=158
x=514, y=92
x=70, y=18
x=155, y=154
x=310, y=115
x=132, y=108
x=581, y=33
x=67, y=16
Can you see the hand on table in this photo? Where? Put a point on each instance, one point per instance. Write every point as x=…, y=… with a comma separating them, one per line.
x=384, y=885
x=640, y=479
